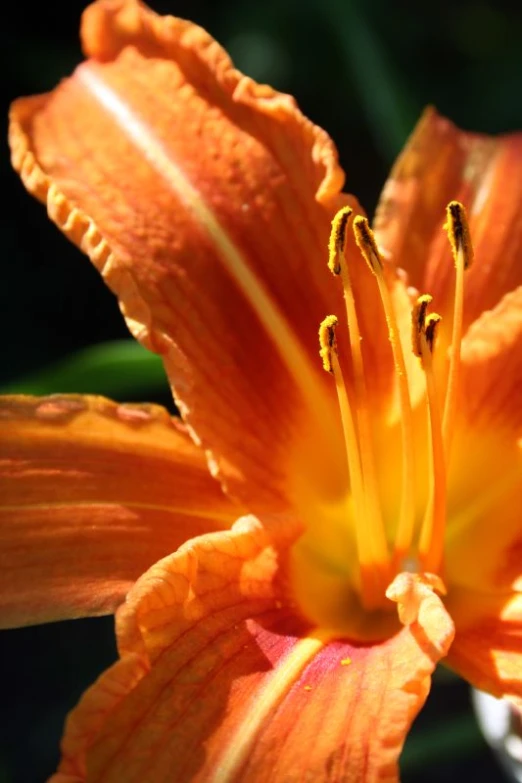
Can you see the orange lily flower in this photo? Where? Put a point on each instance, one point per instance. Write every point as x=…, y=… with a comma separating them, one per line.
x=269, y=648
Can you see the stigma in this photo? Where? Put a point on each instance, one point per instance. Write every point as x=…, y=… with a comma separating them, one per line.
x=385, y=546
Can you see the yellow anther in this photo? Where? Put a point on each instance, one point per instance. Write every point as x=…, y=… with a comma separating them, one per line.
x=338, y=240
x=367, y=245
x=430, y=329
x=457, y=228
x=418, y=320
x=327, y=341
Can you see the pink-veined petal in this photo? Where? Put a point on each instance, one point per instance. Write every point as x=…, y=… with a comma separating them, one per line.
x=220, y=680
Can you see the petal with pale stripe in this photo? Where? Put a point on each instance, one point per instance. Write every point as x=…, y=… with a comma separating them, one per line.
x=92, y=494
x=205, y=200
x=220, y=680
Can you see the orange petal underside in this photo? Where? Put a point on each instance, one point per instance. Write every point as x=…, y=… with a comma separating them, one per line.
x=441, y=163
x=92, y=493
x=205, y=200
x=219, y=680
x=487, y=650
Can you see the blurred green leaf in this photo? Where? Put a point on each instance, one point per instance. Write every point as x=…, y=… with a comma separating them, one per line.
x=117, y=369
x=388, y=106
x=452, y=738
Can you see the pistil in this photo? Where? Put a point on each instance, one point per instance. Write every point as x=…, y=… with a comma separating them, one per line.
x=368, y=247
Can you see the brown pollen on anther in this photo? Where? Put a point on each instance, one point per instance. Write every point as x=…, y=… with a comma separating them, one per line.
x=366, y=243
x=418, y=320
x=338, y=239
x=457, y=228
x=327, y=341
x=430, y=329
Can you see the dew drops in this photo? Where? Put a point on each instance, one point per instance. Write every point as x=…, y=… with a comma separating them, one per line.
x=132, y=414
x=57, y=409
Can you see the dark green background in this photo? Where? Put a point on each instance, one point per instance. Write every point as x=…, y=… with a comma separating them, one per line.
x=364, y=71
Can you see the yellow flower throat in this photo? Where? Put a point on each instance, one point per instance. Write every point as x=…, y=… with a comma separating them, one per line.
x=415, y=547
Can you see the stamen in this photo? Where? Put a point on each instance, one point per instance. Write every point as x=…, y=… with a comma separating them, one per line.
x=338, y=240
x=418, y=318
x=328, y=353
x=431, y=542
x=367, y=244
x=371, y=522
x=457, y=229
x=327, y=341
x=368, y=247
x=430, y=329
x=371, y=593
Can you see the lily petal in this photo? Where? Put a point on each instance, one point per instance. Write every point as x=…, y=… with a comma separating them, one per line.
x=487, y=650
x=205, y=201
x=92, y=494
x=441, y=163
x=492, y=367
x=220, y=680
x=484, y=541
x=485, y=495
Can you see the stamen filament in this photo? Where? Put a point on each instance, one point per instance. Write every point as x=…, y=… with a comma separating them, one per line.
x=370, y=588
x=458, y=234
x=371, y=522
x=368, y=247
x=328, y=353
x=431, y=542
